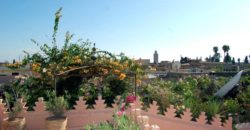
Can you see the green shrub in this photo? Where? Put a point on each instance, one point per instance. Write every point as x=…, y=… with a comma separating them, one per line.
x=118, y=123
x=101, y=126
x=13, y=112
x=212, y=107
x=57, y=106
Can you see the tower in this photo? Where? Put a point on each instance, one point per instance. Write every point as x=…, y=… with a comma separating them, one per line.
x=155, y=57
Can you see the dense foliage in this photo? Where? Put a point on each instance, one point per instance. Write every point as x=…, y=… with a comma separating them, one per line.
x=197, y=93
x=118, y=123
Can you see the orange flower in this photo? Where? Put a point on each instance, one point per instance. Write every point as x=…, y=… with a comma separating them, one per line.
x=116, y=71
x=77, y=59
x=122, y=76
x=49, y=73
x=105, y=71
x=36, y=67
x=114, y=63
x=125, y=65
x=138, y=82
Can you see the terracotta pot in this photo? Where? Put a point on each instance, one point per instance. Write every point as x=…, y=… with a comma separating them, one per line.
x=56, y=123
x=16, y=124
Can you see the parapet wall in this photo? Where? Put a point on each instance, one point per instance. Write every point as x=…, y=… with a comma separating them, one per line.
x=81, y=116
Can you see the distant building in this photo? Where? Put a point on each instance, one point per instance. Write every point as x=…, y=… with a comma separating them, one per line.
x=5, y=71
x=6, y=79
x=156, y=60
x=186, y=66
x=144, y=62
x=164, y=66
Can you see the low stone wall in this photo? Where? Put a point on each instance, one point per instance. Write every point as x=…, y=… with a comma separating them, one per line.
x=243, y=126
x=81, y=116
x=169, y=121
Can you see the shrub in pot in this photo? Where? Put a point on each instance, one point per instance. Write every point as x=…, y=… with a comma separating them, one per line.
x=57, y=106
x=14, y=121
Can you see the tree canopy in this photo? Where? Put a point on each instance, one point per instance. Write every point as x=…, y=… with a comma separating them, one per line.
x=77, y=68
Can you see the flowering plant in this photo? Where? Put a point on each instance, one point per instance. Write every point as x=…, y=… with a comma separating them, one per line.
x=130, y=99
x=121, y=111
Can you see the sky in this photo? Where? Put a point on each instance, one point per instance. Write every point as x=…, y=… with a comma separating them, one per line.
x=135, y=27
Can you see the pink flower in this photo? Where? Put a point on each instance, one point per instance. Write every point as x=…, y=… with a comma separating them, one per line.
x=130, y=99
x=122, y=109
x=120, y=113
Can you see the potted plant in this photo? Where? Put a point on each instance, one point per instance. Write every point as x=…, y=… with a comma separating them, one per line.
x=14, y=120
x=57, y=106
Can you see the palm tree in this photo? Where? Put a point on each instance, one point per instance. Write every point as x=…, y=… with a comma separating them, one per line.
x=215, y=48
x=233, y=61
x=246, y=60
x=227, y=58
x=216, y=57
x=225, y=48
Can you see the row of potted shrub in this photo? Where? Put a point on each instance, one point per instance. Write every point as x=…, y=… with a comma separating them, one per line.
x=56, y=106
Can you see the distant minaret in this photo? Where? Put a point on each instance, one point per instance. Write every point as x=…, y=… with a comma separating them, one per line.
x=155, y=57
